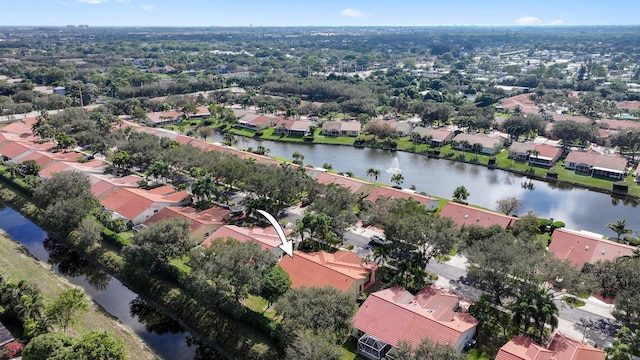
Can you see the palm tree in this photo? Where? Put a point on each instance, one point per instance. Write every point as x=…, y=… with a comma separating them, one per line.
x=204, y=187
x=230, y=139
x=397, y=178
x=620, y=228
x=380, y=254
x=460, y=194
x=13, y=168
x=533, y=311
x=374, y=173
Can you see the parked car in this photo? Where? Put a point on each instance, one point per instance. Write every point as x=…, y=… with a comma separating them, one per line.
x=380, y=240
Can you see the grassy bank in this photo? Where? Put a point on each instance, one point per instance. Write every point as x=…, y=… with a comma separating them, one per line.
x=18, y=264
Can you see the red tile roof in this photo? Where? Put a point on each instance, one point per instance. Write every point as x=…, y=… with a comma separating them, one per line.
x=468, y=215
x=214, y=215
x=395, y=315
x=565, y=348
x=14, y=149
x=266, y=237
x=578, y=119
x=159, y=117
x=560, y=348
x=352, y=184
x=619, y=124
x=388, y=194
x=130, y=202
x=546, y=151
x=582, y=247
x=339, y=270
x=523, y=348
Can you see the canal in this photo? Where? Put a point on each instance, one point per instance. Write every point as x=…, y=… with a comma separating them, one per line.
x=580, y=209
x=164, y=336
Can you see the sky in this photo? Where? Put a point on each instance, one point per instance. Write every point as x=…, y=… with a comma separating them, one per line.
x=317, y=13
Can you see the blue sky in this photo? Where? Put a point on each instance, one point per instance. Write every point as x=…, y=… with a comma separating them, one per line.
x=311, y=13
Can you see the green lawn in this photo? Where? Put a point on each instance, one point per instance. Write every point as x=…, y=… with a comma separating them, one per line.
x=478, y=355
x=242, y=132
x=268, y=134
x=258, y=304
x=341, y=140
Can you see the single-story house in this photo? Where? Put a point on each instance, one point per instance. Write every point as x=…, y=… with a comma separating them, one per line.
x=544, y=155
x=201, y=111
x=343, y=270
x=618, y=124
x=402, y=128
x=341, y=128
x=520, y=151
x=258, y=122
x=561, y=347
x=203, y=223
x=5, y=335
x=582, y=247
x=267, y=237
x=467, y=215
x=293, y=127
x=595, y=164
x=628, y=106
x=523, y=101
x=163, y=118
x=383, y=193
x=464, y=141
x=357, y=187
x=394, y=315
x=431, y=136
x=137, y=205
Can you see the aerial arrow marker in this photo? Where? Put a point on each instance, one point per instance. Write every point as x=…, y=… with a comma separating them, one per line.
x=286, y=246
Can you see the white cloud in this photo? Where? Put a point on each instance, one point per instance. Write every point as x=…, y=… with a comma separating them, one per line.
x=529, y=20
x=122, y=1
x=147, y=7
x=557, y=22
x=92, y=1
x=352, y=13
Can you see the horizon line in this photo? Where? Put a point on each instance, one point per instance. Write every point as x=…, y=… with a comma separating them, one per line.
x=328, y=26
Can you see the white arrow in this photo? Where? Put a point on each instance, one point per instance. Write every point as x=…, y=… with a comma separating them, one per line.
x=286, y=246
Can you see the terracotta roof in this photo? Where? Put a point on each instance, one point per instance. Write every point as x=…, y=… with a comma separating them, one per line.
x=619, y=124
x=546, y=151
x=266, y=237
x=322, y=269
x=14, y=149
x=565, y=348
x=130, y=202
x=468, y=215
x=630, y=105
x=582, y=247
x=560, y=348
x=214, y=215
x=523, y=348
x=45, y=158
x=55, y=167
x=527, y=105
x=388, y=194
x=395, y=315
x=158, y=117
x=596, y=160
x=352, y=184
x=578, y=119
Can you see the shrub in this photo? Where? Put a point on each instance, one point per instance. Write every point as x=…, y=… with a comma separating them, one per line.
x=258, y=133
x=11, y=350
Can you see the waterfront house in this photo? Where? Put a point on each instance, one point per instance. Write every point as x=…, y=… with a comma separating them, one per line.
x=343, y=270
x=293, y=127
x=544, y=155
x=582, y=247
x=488, y=144
x=202, y=223
x=383, y=193
x=595, y=164
x=402, y=128
x=431, y=136
x=520, y=151
x=358, y=187
x=561, y=347
x=163, y=118
x=392, y=316
x=259, y=122
x=341, y=128
x=468, y=215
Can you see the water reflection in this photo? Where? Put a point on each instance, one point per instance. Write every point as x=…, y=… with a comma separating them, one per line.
x=71, y=264
x=153, y=320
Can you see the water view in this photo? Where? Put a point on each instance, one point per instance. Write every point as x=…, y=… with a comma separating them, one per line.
x=580, y=209
x=164, y=336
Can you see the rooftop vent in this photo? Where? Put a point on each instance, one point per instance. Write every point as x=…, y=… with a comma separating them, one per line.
x=603, y=251
x=586, y=247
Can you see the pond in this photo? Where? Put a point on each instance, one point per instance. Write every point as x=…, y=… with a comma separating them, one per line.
x=164, y=336
x=580, y=209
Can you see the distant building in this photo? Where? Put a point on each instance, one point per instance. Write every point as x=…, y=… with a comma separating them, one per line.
x=561, y=347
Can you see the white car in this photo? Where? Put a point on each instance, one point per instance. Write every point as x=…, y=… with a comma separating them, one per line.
x=380, y=240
